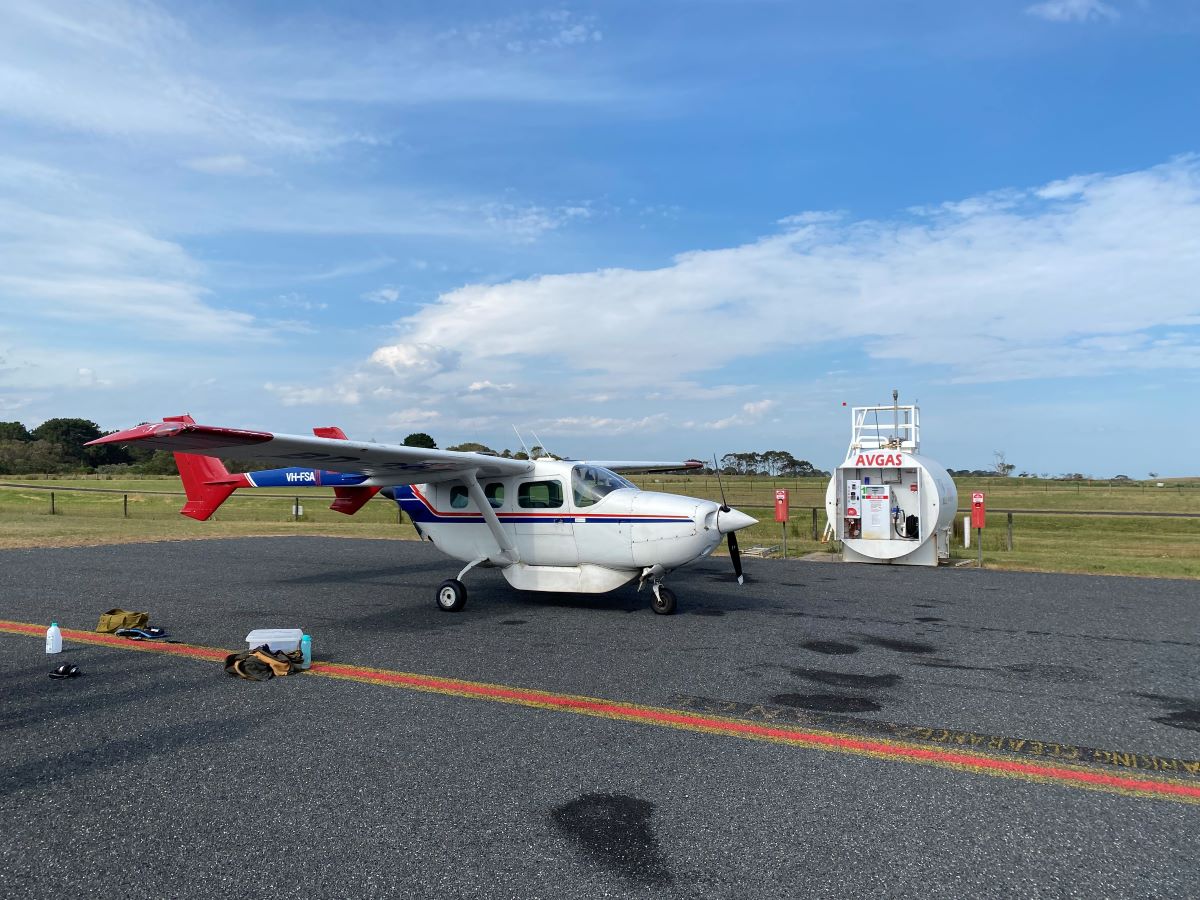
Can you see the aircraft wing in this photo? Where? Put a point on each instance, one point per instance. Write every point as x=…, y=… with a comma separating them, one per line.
x=634, y=466
x=392, y=463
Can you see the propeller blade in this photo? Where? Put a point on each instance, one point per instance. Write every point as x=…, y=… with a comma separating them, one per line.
x=717, y=469
x=736, y=555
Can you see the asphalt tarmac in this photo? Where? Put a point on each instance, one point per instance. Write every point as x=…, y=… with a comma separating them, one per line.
x=153, y=774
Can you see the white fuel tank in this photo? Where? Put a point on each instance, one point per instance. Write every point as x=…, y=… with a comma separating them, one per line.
x=885, y=502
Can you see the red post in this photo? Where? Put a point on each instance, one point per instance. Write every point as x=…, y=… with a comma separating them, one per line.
x=781, y=514
x=978, y=514
x=978, y=510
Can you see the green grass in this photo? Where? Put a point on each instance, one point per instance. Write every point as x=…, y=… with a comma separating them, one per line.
x=93, y=517
x=1163, y=547
x=1010, y=493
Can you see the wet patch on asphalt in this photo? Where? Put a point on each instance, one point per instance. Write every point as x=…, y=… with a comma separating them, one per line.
x=899, y=645
x=830, y=648
x=708, y=612
x=1047, y=672
x=615, y=832
x=1182, y=712
x=948, y=664
x=513, y=621
x=929, y=619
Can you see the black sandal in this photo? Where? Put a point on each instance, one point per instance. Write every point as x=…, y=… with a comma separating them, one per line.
x=66, y=670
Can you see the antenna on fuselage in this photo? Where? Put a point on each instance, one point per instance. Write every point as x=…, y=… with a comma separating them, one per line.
x=522, y=440
x=545, y=449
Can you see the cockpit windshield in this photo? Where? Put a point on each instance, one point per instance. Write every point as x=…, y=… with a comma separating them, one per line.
x=590, y=484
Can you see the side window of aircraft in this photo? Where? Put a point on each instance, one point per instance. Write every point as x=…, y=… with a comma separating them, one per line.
x=495, y=494
x=458, y=496
x=540, y=495
x=590, y=484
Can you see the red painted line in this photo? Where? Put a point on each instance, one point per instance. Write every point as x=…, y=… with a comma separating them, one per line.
x=897, y=751
x=112, y=640
x=667, y=717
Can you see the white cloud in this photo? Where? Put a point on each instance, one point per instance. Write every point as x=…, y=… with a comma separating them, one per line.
x=574, y=425
x=751, y=412
x=411, y=418
x=476, y=387
x=95, y=268
x=334, y=395
x=998, y=287
x=1073, y=10
x=127, y=69
x=415, y=361
x=88, y=378
x=382, y=295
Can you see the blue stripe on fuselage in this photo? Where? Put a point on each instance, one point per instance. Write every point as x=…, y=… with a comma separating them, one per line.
x=419, y=511
x=296, y=477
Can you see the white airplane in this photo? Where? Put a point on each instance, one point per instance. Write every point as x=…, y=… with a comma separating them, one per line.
x=548, y=524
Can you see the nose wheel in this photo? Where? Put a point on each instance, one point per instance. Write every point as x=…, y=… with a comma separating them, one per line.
x=451, y=595
x=663, y=601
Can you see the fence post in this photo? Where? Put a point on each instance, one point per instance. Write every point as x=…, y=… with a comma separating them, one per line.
x=125, y=506
x=815, y=535
x=52, y=503
x=295, y=509
x=1010, y=532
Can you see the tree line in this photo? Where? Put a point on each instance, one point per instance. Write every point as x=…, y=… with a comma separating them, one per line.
x=56, y=447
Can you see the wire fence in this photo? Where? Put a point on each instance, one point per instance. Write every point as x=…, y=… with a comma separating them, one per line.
x=108, y=503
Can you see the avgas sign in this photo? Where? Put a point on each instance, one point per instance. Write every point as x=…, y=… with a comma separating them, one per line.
x=879, y=460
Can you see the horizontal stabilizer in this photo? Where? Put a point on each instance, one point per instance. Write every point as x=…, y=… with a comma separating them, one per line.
x=349, y=499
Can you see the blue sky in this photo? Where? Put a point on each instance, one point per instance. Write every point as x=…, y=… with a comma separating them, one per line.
x=639, y=229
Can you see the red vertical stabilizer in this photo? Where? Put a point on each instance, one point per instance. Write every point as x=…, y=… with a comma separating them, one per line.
x=206, y=481
x=349, y=499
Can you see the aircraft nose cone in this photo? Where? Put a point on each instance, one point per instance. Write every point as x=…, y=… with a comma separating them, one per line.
x=733, y=520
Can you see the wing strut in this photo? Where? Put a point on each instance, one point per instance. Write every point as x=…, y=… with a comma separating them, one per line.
x=475, y=492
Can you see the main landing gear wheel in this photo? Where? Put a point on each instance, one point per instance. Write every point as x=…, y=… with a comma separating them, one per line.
x=451, y=595
x=663, y=601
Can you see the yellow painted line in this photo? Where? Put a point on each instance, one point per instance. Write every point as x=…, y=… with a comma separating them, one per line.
x=806, y=738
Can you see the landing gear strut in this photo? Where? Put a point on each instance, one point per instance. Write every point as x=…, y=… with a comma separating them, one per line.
x=451, y=595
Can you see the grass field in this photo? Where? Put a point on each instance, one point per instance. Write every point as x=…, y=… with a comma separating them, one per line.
x=118, y=511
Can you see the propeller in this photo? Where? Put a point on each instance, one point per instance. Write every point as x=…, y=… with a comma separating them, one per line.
x=731, y=538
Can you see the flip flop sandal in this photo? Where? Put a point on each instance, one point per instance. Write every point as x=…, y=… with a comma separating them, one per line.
x=66, y=670
x=145, y=633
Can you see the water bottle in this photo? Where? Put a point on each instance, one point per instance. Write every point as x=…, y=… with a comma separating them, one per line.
x=306, y=651
x=53, y=639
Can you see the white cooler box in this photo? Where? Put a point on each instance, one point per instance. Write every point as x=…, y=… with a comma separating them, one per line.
x=285, y=639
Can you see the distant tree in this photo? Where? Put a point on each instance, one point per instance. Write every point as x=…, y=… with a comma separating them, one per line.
x=14, y=431
x=1152, y=474
x=70, y=434
x=160, y=462
x=30, y=457
x=420, y=439
x=800, y=468
x=1003, y=466
x=473, y=447
x=520, y=454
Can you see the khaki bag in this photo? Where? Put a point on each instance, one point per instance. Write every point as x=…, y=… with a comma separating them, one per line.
x=119, y=618
x=260, y=664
